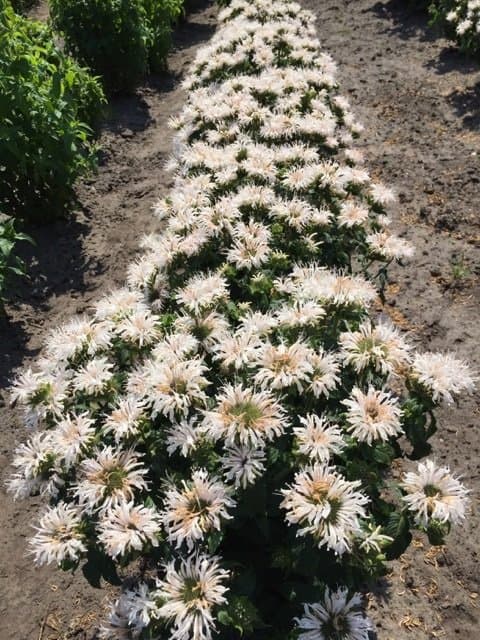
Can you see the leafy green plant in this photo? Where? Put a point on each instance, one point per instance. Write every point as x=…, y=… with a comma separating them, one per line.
x=161, y=15
x=48, y=106
x=109, y=36
x=10, y=264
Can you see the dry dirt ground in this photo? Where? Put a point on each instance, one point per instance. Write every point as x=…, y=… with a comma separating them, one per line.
x=420, y=103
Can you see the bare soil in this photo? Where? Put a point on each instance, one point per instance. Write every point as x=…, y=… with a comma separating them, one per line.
x=419, y=100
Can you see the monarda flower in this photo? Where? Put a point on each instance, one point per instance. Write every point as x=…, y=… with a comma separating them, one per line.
x=326, y=506
x=197, y=507
x=433, y=493
x=337, y=617
x=190, y=590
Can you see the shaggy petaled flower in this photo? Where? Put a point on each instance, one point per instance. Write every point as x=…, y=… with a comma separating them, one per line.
x=139, y=328
x=58, y=536
x=195, y=508
x=442, y=375
x=126, y=527
x=124, y=421
x=239, y=349
x=184, y=437
x=374, y=415
x=245, y=416
x=325, y=373
x=72, y=435
x=282, y=366
x=326, y=506
x=108, y=477
x=433, y=493
x=380, y=347
x=94, y=376
x=173, y=387
x=389, y=246
x=317, y=438
x=243, y=464
x=191, y=591
x=201, y=292
x=337, y=617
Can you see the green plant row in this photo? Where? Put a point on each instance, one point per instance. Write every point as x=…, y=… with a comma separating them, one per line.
x=120, y=40
x=49, y=106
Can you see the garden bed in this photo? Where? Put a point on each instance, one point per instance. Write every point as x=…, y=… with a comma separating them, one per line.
x=425, y=152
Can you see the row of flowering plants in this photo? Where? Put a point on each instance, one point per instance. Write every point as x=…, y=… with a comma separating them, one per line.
x=461, y=21
x=226, y=429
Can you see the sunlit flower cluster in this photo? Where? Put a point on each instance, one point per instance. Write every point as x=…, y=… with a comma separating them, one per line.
x=464, y=17
x=231, y=415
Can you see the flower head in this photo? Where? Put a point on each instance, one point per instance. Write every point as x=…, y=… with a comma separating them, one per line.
x=191, y=591
x=335, y=618
x=433, y=493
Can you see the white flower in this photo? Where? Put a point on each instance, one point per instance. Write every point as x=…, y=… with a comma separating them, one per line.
x=389, y=246
x=183, y=436
x=318, y=439
x=124, y=421
x=126, y=527
x=326, y=506
x=94, y=376
x=352, y=214
x=372, y=416
x=335, y=618
x=245, y=416
x=433, y=493
x=239, y=349
x=202, y=292
x=250, y=247
x=190, y=593
x=108, y=477
x=300, y=314
x=72, y=436
x=174, y=387
x=442, y=375
x=380, y=347
x=325, y=373
x=382, y=194
x=139, y=328
x=199, y=506
x=243, y=464
x=58, y=536
x=284, y=366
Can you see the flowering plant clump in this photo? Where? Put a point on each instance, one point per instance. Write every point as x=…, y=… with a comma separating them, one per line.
x=461, y=20
x=225, y=424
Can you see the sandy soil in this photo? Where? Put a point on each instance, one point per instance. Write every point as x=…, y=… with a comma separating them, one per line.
x=420, y=103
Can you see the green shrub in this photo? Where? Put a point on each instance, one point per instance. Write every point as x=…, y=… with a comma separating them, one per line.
x=10, y=263
x=48, y=106
x=161, y=15
x=110, y=36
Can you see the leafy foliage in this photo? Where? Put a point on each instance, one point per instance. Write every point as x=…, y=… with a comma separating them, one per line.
x=160, y=16
x=10, y=263
x=48, y=106
x=109, y=36
x=118, y=39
